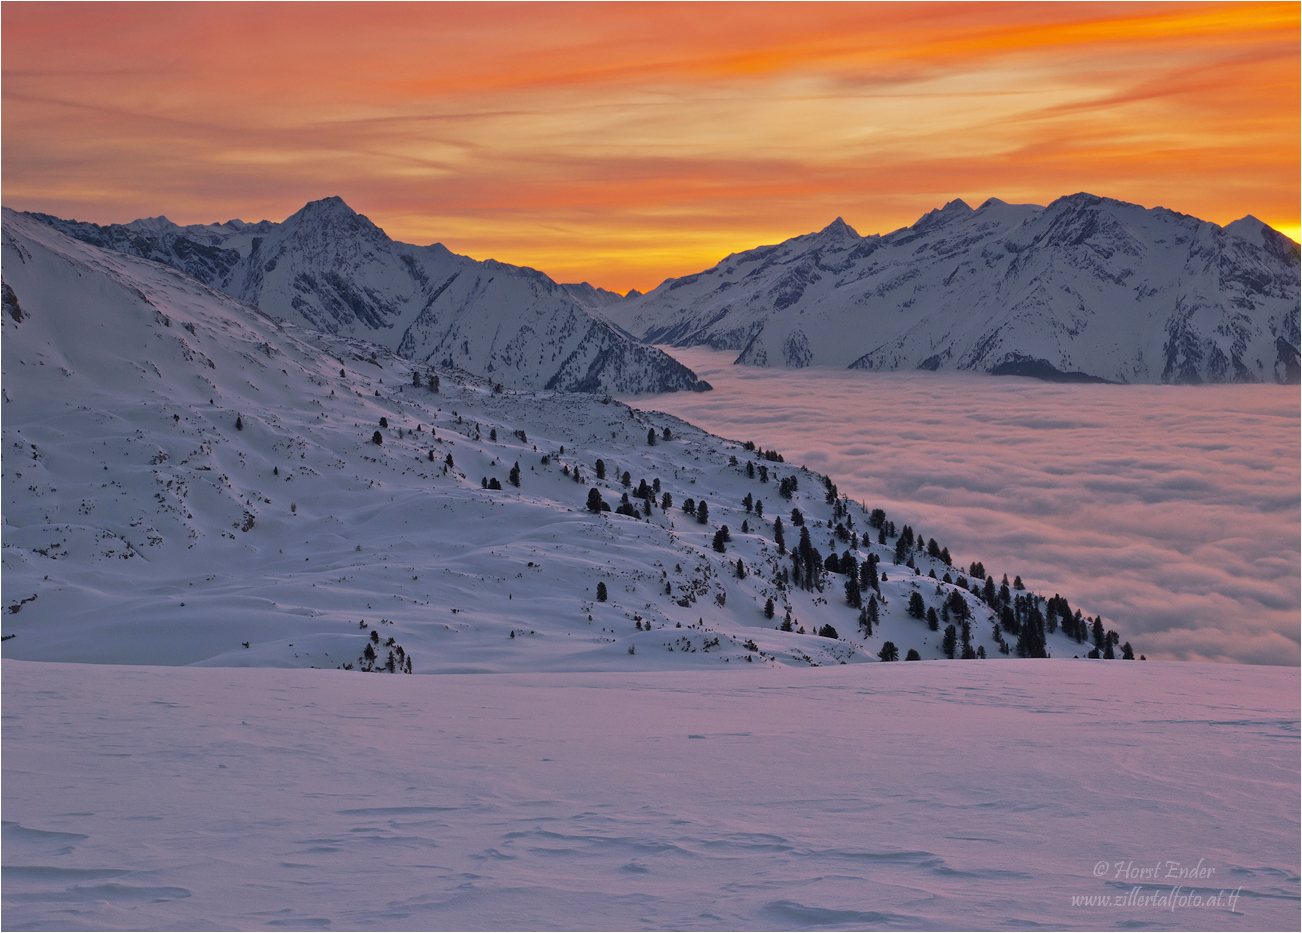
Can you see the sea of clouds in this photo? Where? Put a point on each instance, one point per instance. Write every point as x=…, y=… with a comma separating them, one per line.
x=1172, y=511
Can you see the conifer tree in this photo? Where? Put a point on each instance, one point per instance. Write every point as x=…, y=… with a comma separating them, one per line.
x=777, y=535
x=889, y=652
x=377, y=438
x=852, y=597
x=768, y=614
x=913, y=655
x=933, y=622
x=950, y=641
x=514, y=475
x=601, y=468
x=601, y=592
x=917, y=608
x=702, y=512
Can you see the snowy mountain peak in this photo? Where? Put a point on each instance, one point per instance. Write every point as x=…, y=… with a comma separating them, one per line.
x=839, y=228
x=330, y=268
x=943, y=216
x=1087, y=287
x=150, y=224
x=333, y=215
x=1254, y=230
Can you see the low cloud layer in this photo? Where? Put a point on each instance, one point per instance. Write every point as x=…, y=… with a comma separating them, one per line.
x=1171, y=511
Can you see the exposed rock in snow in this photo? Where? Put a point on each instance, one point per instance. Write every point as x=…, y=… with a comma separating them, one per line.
x=1086, y=288
x=329, y=268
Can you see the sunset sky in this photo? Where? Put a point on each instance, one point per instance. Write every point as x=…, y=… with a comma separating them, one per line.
x=622, y=144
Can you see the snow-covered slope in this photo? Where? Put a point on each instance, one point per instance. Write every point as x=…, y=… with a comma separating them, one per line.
x=997, y=796
x=595, y=298
x=329, y=268
x=187, y=480
x=1086, y=287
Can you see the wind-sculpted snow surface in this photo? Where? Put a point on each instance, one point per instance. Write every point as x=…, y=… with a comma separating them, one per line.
x=1086, y=289
x=992, y=796
x=329, y=268
x=188, y=481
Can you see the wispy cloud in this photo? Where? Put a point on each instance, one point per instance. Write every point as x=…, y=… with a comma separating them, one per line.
x=624, y=143
x=1171, y=511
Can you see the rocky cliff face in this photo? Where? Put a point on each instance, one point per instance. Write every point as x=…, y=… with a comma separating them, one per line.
x=1086, y=288
x=331, y=269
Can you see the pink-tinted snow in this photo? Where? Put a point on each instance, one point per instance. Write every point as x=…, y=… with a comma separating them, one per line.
x=933, y=795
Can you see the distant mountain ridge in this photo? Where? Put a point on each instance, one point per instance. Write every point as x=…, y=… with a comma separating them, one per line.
x=1085, y=289
x=329, y=268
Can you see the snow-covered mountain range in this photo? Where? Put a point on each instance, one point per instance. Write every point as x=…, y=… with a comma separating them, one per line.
x=1085, y=288
x=331, y=269
x=190, y=481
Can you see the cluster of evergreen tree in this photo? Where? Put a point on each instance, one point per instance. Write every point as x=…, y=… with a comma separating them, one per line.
x=771, y=455
x=626, y=507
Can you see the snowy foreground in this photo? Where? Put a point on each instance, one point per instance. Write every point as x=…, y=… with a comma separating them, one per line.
x=927, y=795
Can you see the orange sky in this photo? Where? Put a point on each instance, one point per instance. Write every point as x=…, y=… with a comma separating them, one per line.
x=625, y=143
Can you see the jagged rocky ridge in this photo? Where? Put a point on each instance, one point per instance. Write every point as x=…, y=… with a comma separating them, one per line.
x=188, y=481
x=1088, y=288
x=331, y=269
